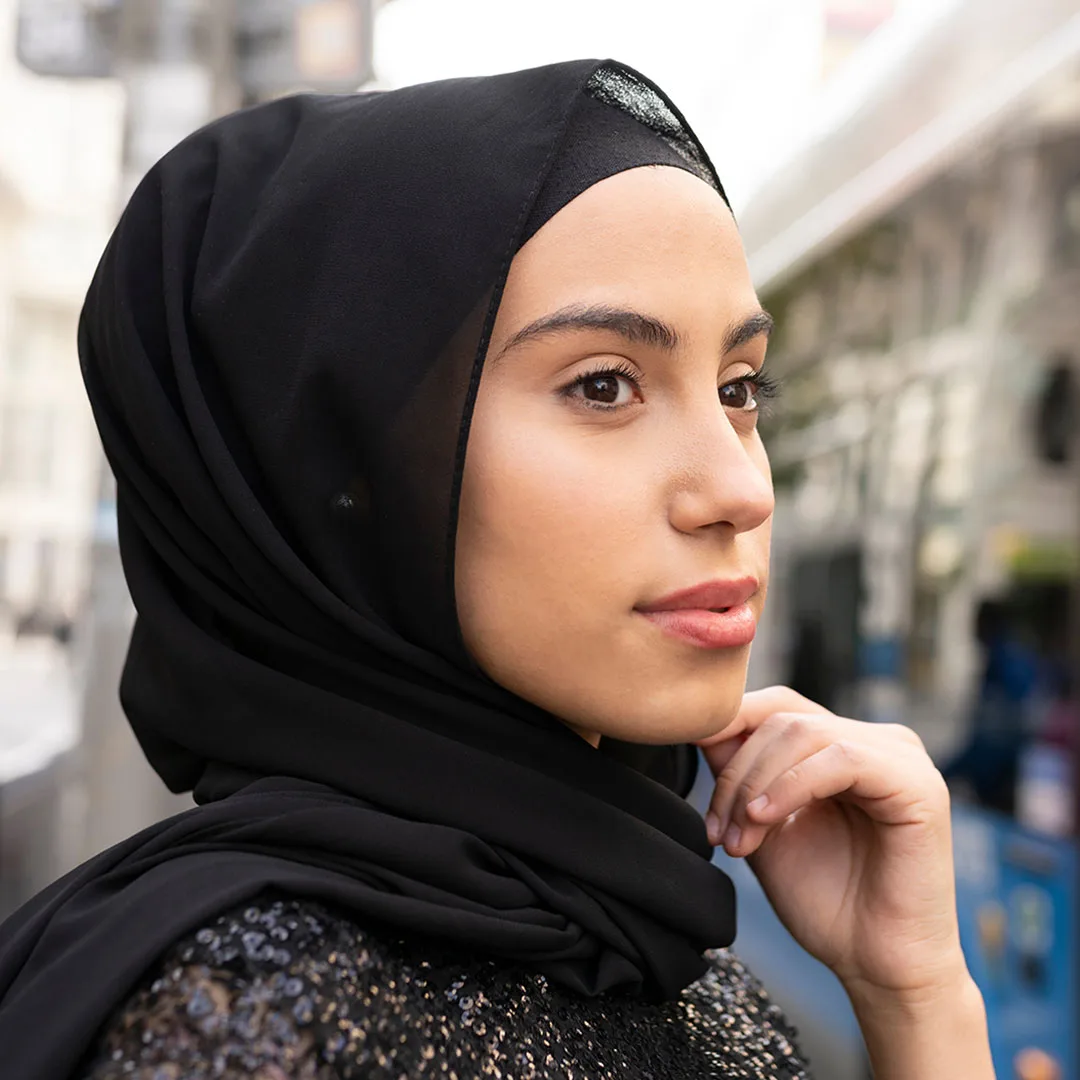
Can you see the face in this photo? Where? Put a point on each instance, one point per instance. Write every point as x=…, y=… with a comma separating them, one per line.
x=613, y=536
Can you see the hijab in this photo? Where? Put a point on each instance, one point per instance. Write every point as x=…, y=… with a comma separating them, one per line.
x=282, y=345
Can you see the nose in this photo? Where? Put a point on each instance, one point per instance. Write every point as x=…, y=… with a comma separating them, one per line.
x=722, y=478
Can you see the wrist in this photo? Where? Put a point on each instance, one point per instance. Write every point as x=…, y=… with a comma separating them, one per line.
x=952, y=986
x=925, y=1032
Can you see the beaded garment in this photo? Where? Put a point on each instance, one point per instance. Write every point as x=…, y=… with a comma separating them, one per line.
x=285, y=988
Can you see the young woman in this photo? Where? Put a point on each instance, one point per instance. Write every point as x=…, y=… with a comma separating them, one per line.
x=443, y=506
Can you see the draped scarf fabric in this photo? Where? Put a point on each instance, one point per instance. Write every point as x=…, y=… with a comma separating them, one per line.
x=282, y=345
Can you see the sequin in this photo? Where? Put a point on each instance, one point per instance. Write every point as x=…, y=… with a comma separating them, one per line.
x=334, y=1002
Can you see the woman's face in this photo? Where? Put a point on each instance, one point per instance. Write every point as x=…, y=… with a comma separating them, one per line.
x=614, y=463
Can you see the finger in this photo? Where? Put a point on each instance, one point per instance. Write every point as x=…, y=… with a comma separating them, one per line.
x=757, y=706
x=830, y=772
x=718, y=813
x=804, y=734
x=719, y=755
x=890, y=786
x=780, y=743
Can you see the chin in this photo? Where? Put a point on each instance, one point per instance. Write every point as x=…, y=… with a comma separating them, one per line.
x=651, y=732
x=682, y=710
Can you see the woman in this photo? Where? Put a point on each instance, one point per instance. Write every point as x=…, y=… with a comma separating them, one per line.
x=442, y=504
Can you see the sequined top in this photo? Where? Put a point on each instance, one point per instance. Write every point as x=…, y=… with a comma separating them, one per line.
x=285, y=988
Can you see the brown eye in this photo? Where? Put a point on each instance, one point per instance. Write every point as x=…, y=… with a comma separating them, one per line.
x=602, y=388
x=739, y=395
x=609, y=390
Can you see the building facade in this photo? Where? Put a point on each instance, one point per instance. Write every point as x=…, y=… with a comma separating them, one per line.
x=59, y=205
x=59, y=173
x=922, y=260
x=911, y=450
x=924, y=447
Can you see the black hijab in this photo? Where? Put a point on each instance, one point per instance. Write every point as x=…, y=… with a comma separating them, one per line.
x=282, y=346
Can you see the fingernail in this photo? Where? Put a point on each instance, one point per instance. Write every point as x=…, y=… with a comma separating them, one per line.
x=755, y=806
x=712, y=828
x=732, y=836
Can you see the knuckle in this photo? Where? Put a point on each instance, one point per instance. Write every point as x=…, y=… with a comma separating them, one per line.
x=778, y=690
x=800, y=727
x=790, y=726
x=849, y=752
x=748, y=788
x=783, y=697
x=775, y=723
x=906, y=734
x=792, y=777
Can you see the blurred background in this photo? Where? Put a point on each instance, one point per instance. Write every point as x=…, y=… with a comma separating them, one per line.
x=906, y=174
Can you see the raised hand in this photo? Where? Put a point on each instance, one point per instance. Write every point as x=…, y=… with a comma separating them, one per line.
x=846, y=825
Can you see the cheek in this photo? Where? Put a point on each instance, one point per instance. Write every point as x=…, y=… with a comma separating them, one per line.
x=546, y=528
x=560, y=529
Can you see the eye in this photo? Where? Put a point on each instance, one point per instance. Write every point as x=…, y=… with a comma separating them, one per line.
x=740, y=395
x=746, y=394
x=608, y=389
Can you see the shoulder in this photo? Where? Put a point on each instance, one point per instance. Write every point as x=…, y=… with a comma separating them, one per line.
x=254, y=991
x=730, y=1004
x=288, y=989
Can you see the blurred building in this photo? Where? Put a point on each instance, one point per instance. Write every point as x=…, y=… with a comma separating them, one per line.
x=847, y=24
x=921, y=261
x=59, y=168
x=57, y=203
x=921, y=254
x=124, y=81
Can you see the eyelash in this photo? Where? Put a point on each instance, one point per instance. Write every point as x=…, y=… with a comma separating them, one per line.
x=766, y=388
x=622, y=368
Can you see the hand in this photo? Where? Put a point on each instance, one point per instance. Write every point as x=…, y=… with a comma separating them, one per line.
x=846, y=825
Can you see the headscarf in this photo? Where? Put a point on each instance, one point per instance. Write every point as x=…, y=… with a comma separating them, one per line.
x=282, y=346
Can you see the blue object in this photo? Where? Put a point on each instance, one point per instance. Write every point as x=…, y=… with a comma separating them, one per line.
x=881, y=657
x=1016, y=894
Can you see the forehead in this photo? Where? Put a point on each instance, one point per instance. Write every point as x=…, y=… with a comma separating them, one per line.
x=651, y=237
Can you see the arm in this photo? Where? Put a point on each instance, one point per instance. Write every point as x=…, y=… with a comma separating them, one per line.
x=929, y=1036
x=847, y=826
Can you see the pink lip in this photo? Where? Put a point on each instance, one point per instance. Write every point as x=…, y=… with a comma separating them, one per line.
x=713, y=615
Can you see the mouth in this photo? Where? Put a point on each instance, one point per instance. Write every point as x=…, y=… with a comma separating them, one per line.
x=712, y=615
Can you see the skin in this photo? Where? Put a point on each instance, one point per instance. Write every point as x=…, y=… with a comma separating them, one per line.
x=576, y=514
x=583, y=501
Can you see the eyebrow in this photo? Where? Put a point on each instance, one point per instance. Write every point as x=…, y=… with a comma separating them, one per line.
x=761, y=322
x=632, y=326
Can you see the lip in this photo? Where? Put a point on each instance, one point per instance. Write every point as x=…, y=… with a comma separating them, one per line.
x=712, y=615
